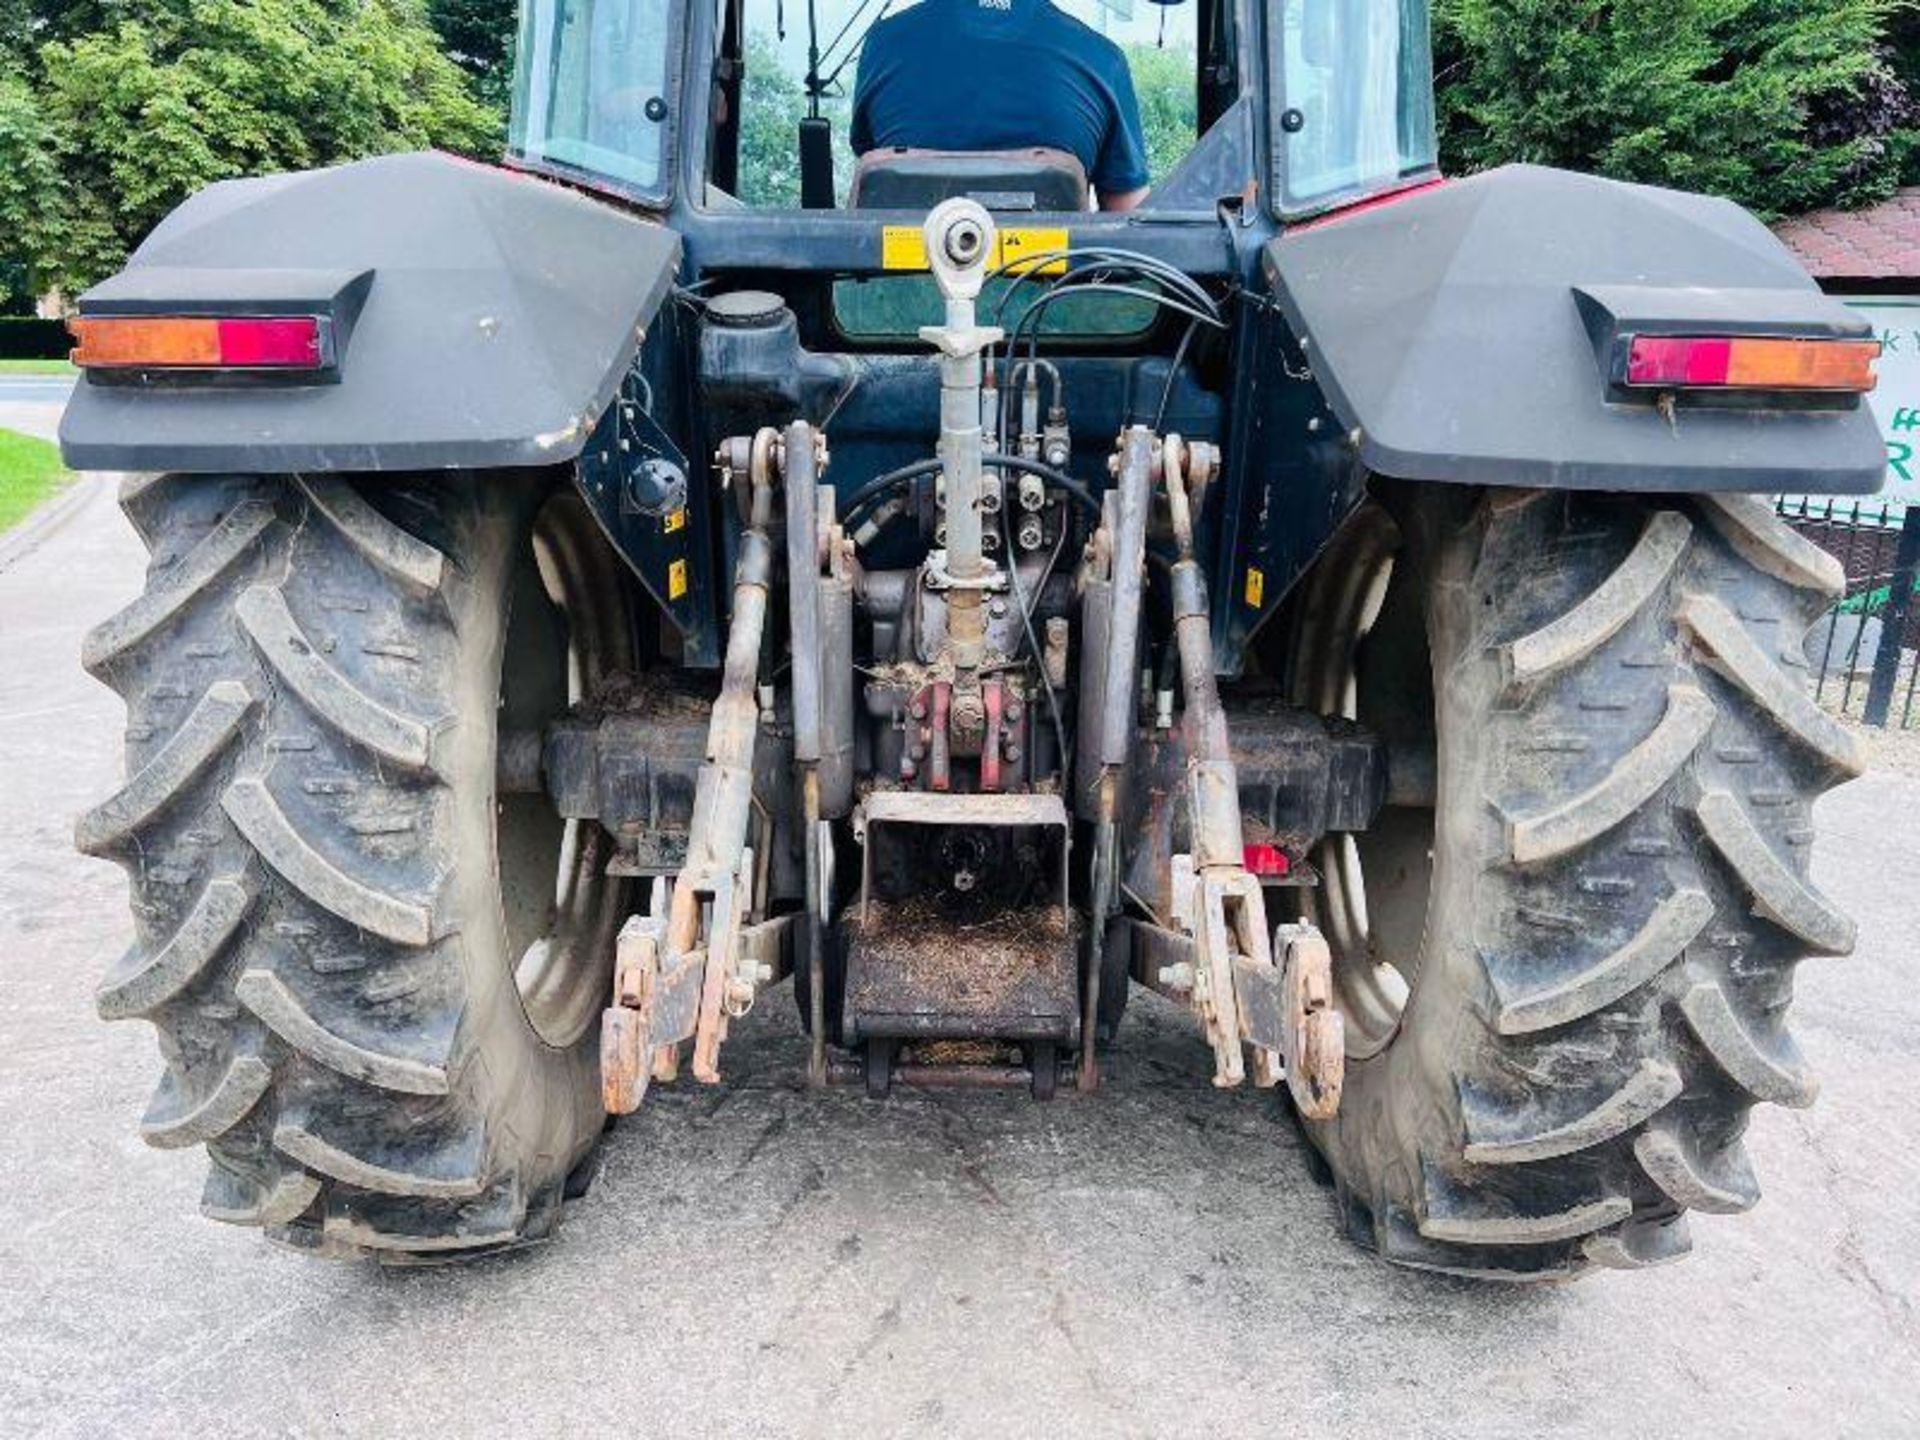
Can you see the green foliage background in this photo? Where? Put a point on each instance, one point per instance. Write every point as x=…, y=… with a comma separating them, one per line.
x=113, y=111
x=1782, y=105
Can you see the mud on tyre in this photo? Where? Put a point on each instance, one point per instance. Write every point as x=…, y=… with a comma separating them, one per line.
x=1565, y=985
x=373, y=978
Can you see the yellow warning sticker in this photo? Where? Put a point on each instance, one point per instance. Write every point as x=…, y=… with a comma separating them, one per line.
x=1018, y=246
x=673, y=520
x=904, y=247
x=676, y=579
x=1256, y=587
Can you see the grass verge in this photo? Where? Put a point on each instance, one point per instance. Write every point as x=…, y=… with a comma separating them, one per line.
x=37, y=367
x=30, y=471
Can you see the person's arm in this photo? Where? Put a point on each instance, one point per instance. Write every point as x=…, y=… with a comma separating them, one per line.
x=1120, y=175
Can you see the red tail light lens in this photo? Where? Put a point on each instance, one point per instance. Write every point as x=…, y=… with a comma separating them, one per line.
x=1705, y=362
x=194, y=342
x=294, y=342
x=1269, y=862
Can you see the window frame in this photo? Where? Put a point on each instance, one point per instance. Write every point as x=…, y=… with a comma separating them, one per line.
x=660, y=194
x=1278, y=105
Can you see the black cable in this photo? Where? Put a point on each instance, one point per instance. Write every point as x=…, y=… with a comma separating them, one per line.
x=833, y=76
x=881, y=484
x=1046, y=574
x=813, y=63
x=1058, y=478
x=1059, y=290
x=1173, y=373
x=1096, y=260
x=1108, y=287
x=1094, y=281
x=1100, y=263
x=826, y=53
x=1033, y=315
x=1194, y=317
x=1033, y=643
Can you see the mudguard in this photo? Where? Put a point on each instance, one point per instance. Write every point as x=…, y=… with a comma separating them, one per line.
x=484, y=319
x=1453, y=332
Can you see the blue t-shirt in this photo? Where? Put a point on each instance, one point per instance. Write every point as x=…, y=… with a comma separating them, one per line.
x=1000, y=75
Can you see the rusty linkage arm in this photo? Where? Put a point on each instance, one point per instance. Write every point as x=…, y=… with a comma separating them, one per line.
x=1108, y=698
x=699, y=958
x=1282, y=1012
x=820, y=586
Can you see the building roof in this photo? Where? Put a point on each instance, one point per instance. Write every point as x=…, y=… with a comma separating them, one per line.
x=1880, y=243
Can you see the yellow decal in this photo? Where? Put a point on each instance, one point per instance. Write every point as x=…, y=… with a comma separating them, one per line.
x=904, y=247
x=1256, y=587
x=673, y=520
x=676, y=579
x=1018, y=245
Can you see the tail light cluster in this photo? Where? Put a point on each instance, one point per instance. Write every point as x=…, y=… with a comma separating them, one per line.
x=1750, y=362
x=270, y=343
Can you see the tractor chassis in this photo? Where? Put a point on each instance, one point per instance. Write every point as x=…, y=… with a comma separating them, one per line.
x=1027, y=970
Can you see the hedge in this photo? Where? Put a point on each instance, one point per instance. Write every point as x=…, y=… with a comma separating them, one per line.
x=23, y=337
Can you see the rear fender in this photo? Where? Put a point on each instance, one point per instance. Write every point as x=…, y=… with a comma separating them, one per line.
x=1454, y=333
x=1463, y=333
x=483, y=319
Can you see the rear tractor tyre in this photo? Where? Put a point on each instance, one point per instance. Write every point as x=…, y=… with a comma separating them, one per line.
x=374, y=978
x=1565, y=985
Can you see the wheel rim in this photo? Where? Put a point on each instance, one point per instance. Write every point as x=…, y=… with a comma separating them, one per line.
x=1360, y=653
x=567, y=631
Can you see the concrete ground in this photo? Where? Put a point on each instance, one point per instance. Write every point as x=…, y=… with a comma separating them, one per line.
x=755, y=1260
x=32, y=404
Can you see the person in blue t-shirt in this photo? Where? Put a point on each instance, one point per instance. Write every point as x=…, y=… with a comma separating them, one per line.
x=1002, y=75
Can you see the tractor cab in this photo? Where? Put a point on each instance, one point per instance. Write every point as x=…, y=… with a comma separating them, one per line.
x=747, y=104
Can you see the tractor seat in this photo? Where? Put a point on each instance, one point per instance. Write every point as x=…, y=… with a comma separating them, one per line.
x=903, y=178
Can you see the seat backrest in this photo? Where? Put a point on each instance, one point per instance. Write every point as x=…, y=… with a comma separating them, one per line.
x=902, y=178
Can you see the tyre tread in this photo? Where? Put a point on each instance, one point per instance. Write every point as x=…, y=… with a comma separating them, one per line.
x=258, y=816
x=302, y=667
x=291, y=672
x=205, y=735
x=177, y=587
x=1603, y=614
x=1638, y=901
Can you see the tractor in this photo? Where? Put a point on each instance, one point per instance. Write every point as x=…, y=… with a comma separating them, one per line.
x=590, y=591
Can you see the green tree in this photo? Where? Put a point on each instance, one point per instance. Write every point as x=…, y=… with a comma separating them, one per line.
x=771, y=104
x=479, y=36
x=773, y=101
x=29, y=182
x=1905, y=50
x=1782, y=105
x=127, y=121
x=1163, y=84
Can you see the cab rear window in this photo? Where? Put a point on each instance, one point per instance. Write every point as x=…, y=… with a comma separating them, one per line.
x=894, y=307
x=1158, y=41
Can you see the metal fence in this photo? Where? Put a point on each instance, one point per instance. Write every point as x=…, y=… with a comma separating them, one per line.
x=1863, y=653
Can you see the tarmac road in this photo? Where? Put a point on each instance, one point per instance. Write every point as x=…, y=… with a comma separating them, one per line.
x=32, y=404
x=755, y=1260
